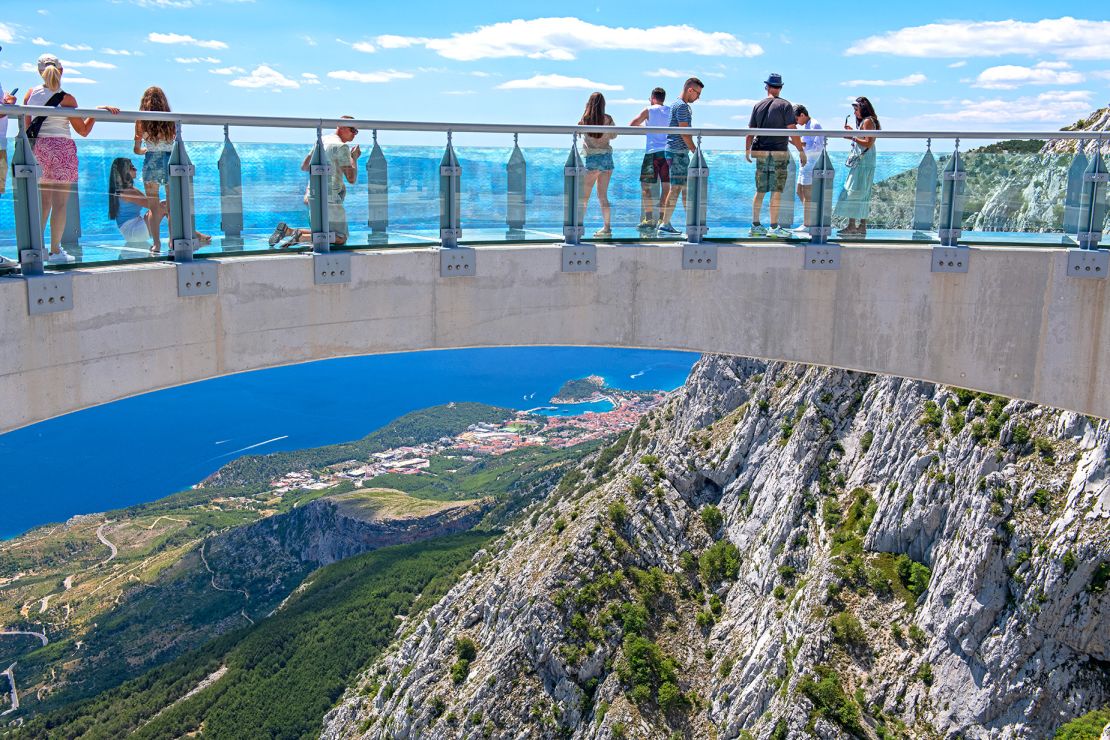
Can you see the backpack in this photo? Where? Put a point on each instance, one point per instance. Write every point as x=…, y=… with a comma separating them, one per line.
x=37, y=121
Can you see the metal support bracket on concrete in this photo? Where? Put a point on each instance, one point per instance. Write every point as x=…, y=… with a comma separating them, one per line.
x=579, y=258
x=331, y=268
x=699, y=256
x=322, y=241
x=458, y=262
x=197, y=278
x=950, y=259
x=49, y=293
x=822, y=257
x=1088, y=263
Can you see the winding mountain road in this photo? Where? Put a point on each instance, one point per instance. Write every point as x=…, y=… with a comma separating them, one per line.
x=100, y=536
x=40, y=635
x=15, y=694
x=246, y=596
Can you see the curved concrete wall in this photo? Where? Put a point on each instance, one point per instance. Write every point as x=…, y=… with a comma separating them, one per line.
x=1015, y=325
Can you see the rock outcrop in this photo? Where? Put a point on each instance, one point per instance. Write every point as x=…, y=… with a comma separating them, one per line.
x=782, y=552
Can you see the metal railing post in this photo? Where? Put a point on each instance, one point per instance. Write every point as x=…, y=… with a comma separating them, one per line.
x=1074, y=193
x=576, y=256
x=925, y=196
x=516, y=190
x=319, y=170
x=697, y=255
x=454, y=261
x=179, y=196
x=377, y=191
x=71, y=234
x=27, y=202
x=951, y=256
x=1092, y=203
x=193, y=278
x=231, y=192
x=821, y=196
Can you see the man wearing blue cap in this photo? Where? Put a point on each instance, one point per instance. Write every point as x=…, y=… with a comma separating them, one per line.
x=771, y=155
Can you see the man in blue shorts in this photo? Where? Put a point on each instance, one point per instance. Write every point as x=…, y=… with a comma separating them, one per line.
x=679, y=147
x=655, y=178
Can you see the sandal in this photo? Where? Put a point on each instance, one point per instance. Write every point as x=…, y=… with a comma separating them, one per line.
x=279, y=233
x=603, y=233
x=288, y=242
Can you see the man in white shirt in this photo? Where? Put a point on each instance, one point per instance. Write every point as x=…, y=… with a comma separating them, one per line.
x=655, y=177
x=814, y=145
x=8, y=99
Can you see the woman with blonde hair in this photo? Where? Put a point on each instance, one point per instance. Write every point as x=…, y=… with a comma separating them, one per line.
x=598, y=153
x=55, y=150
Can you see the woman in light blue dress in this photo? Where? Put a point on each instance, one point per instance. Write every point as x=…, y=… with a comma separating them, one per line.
x=854, y=202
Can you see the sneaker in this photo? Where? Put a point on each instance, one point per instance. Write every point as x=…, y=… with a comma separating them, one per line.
x=666, y=228
x=61, y=257
x=647, y=225
x=778, y=233
x=758, y=230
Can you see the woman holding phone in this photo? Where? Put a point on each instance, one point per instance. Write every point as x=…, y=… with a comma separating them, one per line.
x=854, y=202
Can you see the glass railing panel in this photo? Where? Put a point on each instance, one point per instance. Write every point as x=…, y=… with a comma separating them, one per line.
x=1017, y=192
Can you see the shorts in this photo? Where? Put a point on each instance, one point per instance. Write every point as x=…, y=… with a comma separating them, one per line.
x=134, y=230
x=156, y=168
x=601, y=162
x=805, y=174
x=770, y=171
x=655, y=168
x=337, y=220
x=57, y=157
x=678, y=163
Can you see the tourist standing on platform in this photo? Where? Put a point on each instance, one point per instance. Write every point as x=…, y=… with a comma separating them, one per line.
x=772, y=159
x=854, y=202
x=8, y=99
x=654, y=173
x=597, y=151
x=154, y=140
x=126, y=203
x=679, y=147
x=344, y=169
x=814, y=145
x=55, y=149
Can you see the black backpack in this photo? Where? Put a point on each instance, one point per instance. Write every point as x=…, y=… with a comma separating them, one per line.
x=36, y=122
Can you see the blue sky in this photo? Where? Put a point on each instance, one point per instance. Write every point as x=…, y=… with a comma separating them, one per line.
x=1007, y=65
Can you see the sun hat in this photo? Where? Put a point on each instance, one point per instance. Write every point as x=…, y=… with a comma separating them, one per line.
x=48, y=60
x=773, y=80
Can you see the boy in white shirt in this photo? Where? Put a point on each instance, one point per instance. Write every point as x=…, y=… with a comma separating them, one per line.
x=814, y=145
x=655, y=177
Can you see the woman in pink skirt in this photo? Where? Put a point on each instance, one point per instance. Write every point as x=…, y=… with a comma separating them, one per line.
x=56, y=151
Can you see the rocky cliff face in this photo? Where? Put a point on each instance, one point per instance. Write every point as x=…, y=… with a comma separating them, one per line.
x=782, y=552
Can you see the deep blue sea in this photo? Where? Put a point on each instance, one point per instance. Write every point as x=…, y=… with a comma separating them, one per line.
x=143, y=448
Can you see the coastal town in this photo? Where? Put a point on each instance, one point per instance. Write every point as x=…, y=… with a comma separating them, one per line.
x=525, y=429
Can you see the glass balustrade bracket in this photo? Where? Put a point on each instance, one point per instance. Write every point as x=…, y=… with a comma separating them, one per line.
x=197, y=278
x=925, y=194
x=579, y=258
x=331, y=268
x=821, y=201
x=377, y=193
x=950, y=259
x=450, y=201
x=458, y=262
x=1088, y=263
x=49, y=293
x=516, y=192
x=699, y=256
x=230, y=168
x=71, y=234
x=822, y=257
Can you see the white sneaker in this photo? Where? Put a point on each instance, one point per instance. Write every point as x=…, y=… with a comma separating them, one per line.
x=61, y=257
x=779, y=233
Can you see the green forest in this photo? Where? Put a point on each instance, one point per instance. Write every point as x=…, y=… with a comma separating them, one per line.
x=284, y=673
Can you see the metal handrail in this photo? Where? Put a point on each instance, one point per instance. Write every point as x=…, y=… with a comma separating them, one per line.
x=211, y=119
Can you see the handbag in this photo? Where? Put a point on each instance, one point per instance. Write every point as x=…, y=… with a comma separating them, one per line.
x=37, y=121
x=854, y=156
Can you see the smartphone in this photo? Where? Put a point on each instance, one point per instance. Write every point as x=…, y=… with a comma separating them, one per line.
x=13, y=92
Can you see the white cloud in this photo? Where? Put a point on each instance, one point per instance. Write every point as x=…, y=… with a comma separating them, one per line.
x=41, y=11
x=957, y=65
x=265, y=77
x=387, y=75
x=664, y=72
x=458, y=92
x=907, y=81
x=556, y=82
x=76, y=47
x=1055, y=107
x=227, y=71
x=91, y=64
x=309, y=40
x=479, y=73
x=7, y=35
x=40, y=41
x=80, y=80
x=307, y=78
x=122, y=52
x=164, y=3
x=729, y=102
x=1010, y=76
x=627, y=101
x=178, y=38
x=364, y=46
x=561, y=38
x=196, y=60
x=1102, y=74
x=1069, y=38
